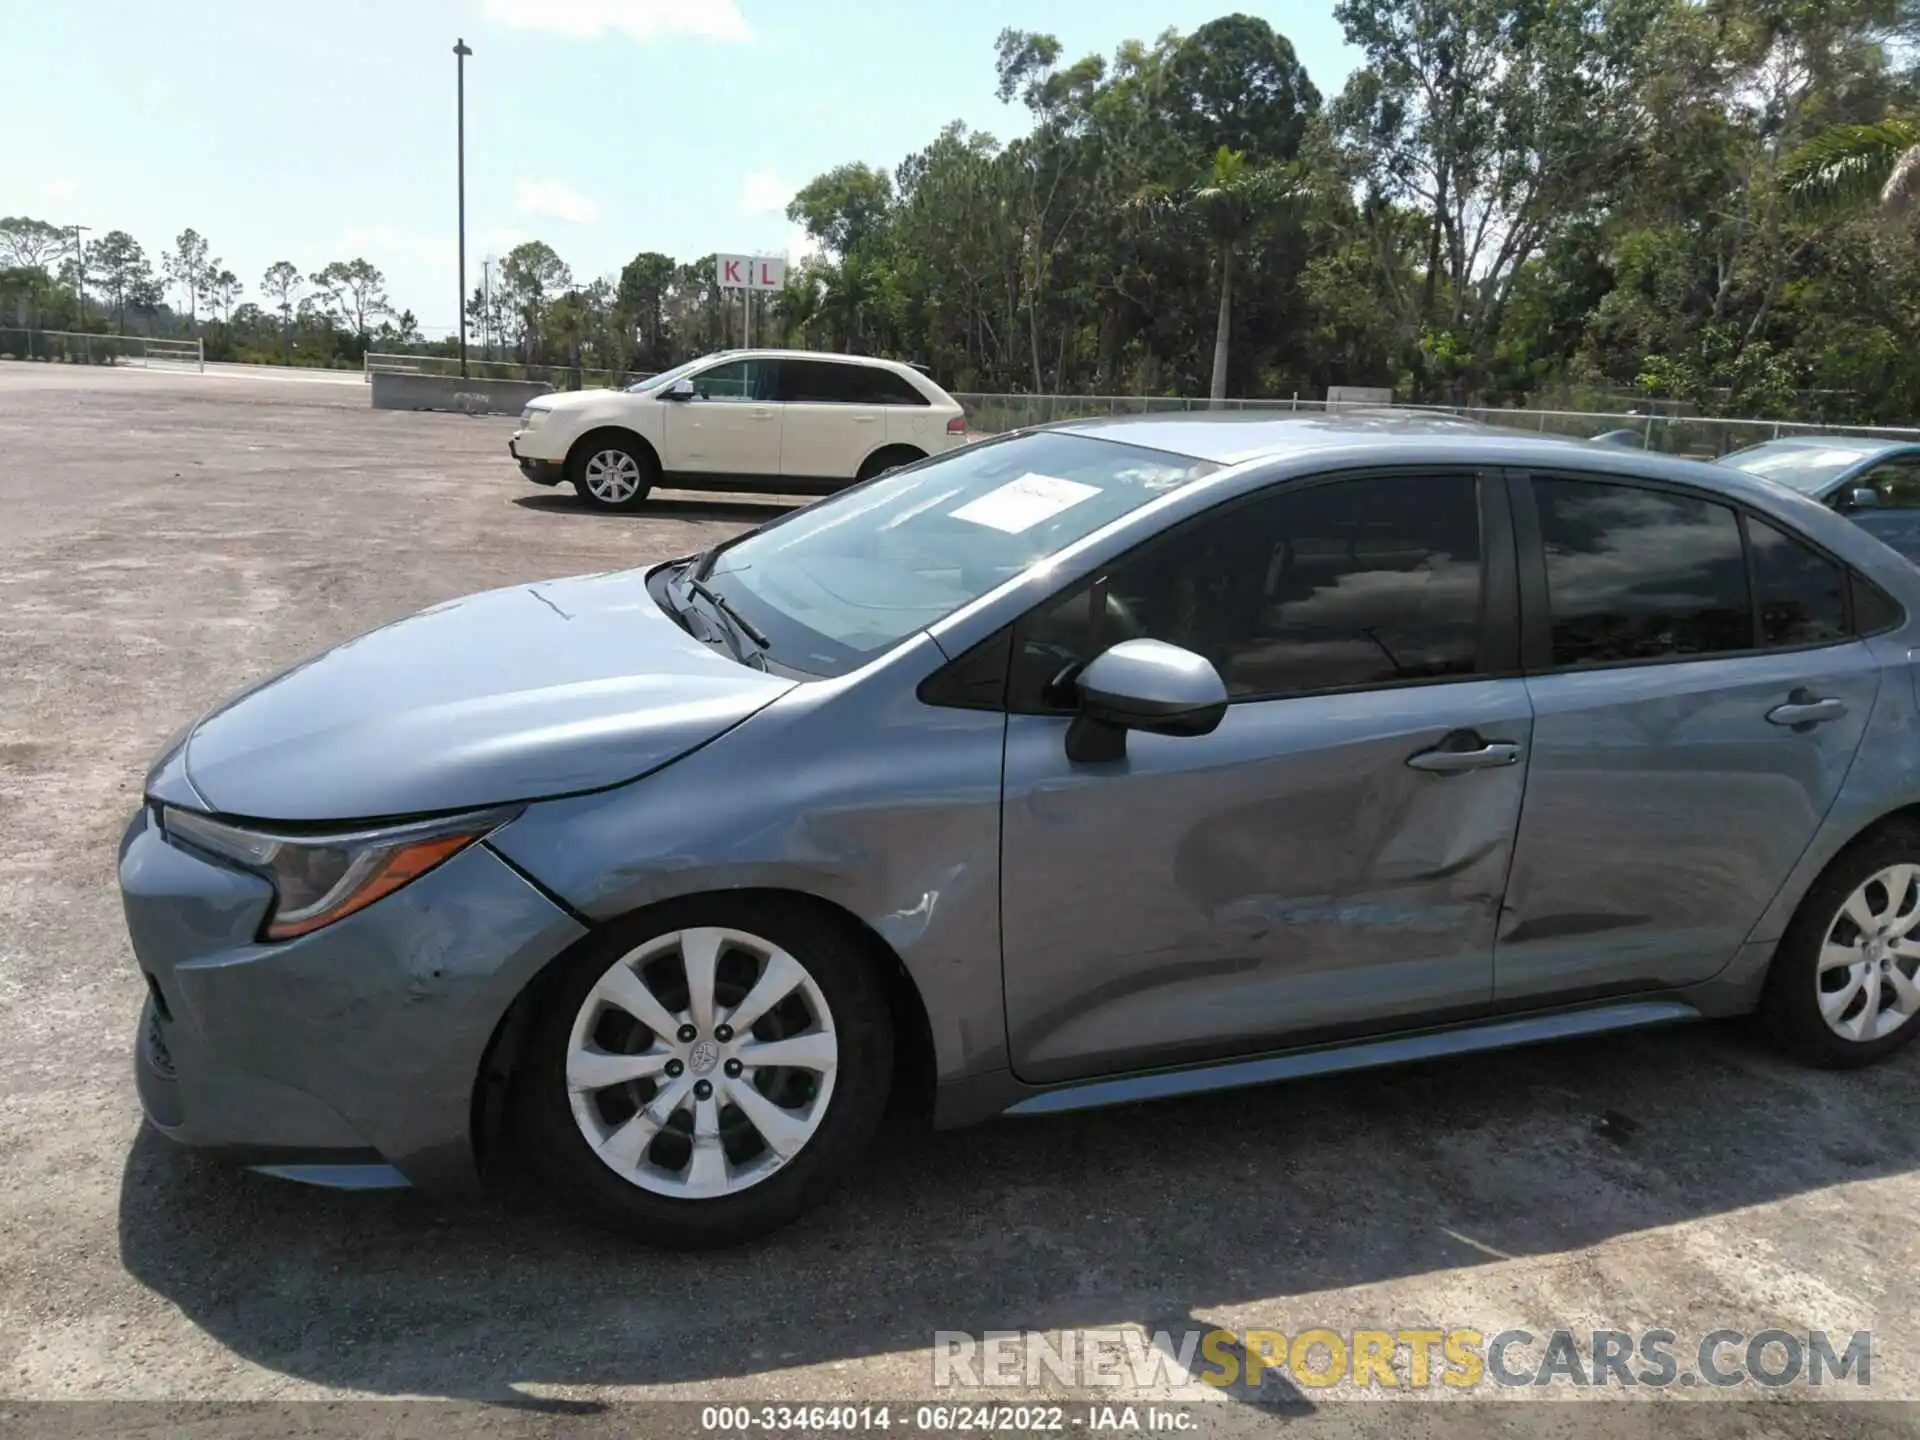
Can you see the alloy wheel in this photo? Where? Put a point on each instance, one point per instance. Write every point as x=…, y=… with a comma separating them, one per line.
x=612, y=476
x=701, y=1062
x=1866, y=978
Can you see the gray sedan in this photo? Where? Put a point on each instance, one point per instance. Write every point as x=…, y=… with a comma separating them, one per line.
x=1114, y=760
x=1873, y=481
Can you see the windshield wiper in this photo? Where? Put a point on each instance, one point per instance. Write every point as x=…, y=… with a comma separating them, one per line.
x=725, y=608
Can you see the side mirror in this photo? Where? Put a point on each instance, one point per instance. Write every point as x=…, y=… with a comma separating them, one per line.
x=1143, y=685
x=1863, y=497
x=678, y=390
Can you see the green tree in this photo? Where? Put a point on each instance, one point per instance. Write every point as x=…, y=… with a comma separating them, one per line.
x=122, y=267
x=186, y=266
x=1851, y=165
x=282, y=284
x=1232, y=204
x=29, y=243
x=351, y=294
x=532, y=276
x=641, y=301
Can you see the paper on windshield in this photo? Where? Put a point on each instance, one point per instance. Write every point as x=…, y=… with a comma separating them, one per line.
x=1022, y=504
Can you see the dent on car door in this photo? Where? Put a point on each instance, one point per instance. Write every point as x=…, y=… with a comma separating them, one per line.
x=1698, y=696
x=1332, y=857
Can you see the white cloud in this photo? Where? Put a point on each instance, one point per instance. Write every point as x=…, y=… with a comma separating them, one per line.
x=65, y=188
x=551, y=200
x=765, y=193
x=639, y=19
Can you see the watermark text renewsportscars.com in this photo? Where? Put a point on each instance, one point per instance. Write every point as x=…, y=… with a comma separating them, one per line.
x=1455, y=1359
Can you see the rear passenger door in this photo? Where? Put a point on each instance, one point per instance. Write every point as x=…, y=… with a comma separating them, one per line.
x=1698, y=691
x=833, y=420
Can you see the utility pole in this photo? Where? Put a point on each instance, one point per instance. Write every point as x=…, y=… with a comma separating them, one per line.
x=486, y=305
x=460, y=54
x=80, y=272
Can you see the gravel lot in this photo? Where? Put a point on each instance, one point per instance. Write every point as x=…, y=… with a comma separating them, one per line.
x=165, y=539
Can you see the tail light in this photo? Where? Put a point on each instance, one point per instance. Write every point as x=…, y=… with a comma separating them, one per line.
x=957, y=425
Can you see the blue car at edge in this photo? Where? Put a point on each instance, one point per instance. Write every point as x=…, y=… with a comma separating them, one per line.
x=1090, y=764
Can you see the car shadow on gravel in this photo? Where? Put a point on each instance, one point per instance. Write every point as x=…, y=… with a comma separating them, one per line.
x=738, y=510
x=1154, y=1215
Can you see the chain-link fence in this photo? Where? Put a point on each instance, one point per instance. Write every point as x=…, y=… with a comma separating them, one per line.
x=1696, y=436
x=76, y=347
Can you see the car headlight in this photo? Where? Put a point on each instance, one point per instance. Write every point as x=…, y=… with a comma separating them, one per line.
x=323, y=877
x=532, y=418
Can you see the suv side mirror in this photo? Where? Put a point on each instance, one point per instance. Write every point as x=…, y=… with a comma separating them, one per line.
x=1862, y=497
x=1143, y=685
x=678, y=390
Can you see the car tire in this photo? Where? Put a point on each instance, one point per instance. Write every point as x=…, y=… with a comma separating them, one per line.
x=651, y=1156
x=881, y=461
x=1844, y=986
x=611, y=473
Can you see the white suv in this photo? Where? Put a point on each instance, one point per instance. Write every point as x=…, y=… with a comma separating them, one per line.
x=779, y=421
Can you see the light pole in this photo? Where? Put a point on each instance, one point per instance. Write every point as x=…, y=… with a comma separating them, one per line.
x=460, y=53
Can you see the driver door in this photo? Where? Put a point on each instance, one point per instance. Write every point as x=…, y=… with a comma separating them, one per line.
x=1306, y=870
x=730, y=425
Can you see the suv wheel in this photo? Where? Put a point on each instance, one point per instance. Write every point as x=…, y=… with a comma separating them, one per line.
x=706, y=1078
x=1845, y=984
x=612, y=474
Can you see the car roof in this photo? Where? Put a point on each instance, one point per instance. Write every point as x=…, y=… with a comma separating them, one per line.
x=1862, y=445
x=1231, y=437
x=820, y=355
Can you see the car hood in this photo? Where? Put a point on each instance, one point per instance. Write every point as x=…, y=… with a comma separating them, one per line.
x=570, y=399
x=514, y=694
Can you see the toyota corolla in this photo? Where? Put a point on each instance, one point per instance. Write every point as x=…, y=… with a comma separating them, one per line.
x=1109, y=761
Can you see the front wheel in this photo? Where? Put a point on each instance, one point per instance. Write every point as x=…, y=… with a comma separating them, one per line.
x=612, y=474
x=707, y=1077
x=1845, y=983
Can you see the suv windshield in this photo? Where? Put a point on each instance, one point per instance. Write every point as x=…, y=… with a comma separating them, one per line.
x=836, y=583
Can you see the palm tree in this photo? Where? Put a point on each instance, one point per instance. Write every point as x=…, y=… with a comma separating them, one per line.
x=1235, y=202
x=1851, y=165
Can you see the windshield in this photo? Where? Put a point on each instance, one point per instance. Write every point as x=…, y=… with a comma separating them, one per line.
x=667, y=377
x=836, y=583
x=1803, y=467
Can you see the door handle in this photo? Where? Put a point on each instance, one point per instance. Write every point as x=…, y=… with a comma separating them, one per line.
x=866, y=419
x=1804, y=710
x=1491, y=755
x=763, y=414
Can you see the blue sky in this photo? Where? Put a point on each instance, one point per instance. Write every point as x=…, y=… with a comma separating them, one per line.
x=605, y=127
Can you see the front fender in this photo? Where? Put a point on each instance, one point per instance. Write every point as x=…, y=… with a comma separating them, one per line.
x=855, y=793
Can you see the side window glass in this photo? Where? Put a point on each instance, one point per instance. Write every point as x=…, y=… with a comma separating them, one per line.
x=813, y=382
x=1802, y=595
x=735, y=380
x=1353, y=583
x=883, y=387
x=1873, y=609
x=1897, y=484
x=1636, y=574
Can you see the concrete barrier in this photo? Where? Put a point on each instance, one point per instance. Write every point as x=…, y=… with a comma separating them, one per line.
x=449, y=392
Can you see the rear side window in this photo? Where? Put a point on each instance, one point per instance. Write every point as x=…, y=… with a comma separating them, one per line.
x=1637, y=574
x=1802, y=595
x=882, y=387
x=828, y=382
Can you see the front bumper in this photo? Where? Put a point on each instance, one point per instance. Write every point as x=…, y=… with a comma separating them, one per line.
x=541, y=472
x=357, y=1045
